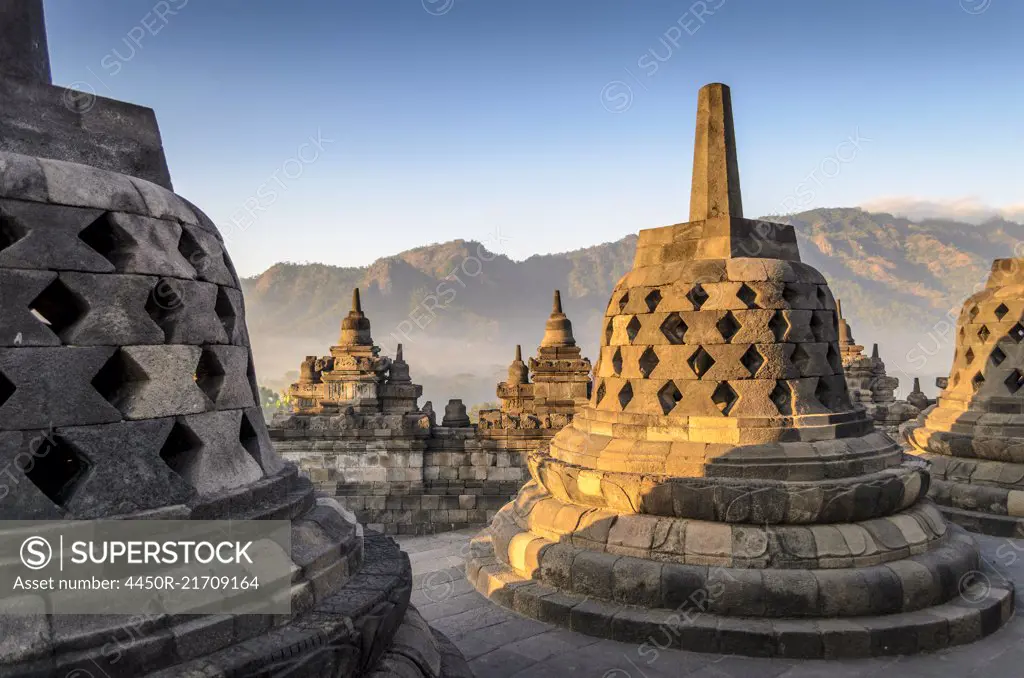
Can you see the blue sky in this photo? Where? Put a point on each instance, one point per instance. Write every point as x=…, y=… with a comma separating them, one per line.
x=548, y=125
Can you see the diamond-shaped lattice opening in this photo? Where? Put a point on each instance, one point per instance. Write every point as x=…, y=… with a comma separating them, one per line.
x=623, y=300
x=962, y=334
x=181, y=450
x=190, y=248
x=210, y=375
x=668, y=396
x=817, y=326
x=652, y=300
x=822, y=298
x=674, y=328
x=166, y=303
x=747, y=296
x=697, y=296
x=108, y=239
x=1017, y=333
x=225, y=310
x=617, y=362
x=752, y=360
x=1001, y=310
x=648, y=361
x=778, y=325
x=835, y=361
x=977, y=381
x=782, y=396
x=728, y=326
x=973, y=313
x=969, y=356
x=1014, y=381
x=10, y=232
x=600, y=392
x=997, y=356
x=58, y=307
x=700, y=362
x=724, y=397
x=7, y=389
x=801, y=359
x=249, y=439
x=119, y=379
x=608, y=332
x=956, y=379
x=823, y=392
x=56, y=468
x=633, y=328
x=791, y=295
x=625, y=395
x=984, y=333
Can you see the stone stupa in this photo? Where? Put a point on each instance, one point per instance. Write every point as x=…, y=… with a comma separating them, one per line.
x=974, y=436
x=869, y=385
x=720, y=492
x=123, y=345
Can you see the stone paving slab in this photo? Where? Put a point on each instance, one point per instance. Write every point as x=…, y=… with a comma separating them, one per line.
x=501, y=644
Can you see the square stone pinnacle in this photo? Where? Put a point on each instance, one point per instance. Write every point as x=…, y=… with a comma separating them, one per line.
x=717, y=229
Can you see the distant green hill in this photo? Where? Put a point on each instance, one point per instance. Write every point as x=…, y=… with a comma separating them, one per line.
x=898, y=281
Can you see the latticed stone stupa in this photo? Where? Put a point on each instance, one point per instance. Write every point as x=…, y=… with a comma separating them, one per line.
x=127, y=389
x=974, y=436
x=720, y=492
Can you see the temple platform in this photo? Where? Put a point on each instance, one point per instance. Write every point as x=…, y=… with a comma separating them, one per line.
x=499, y=643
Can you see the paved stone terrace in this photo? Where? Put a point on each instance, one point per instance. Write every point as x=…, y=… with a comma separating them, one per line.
x=501, y=644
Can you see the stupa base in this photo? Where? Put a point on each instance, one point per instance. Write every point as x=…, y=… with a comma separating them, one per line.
x=980, y=610
x=980, y=495
x=984, y=523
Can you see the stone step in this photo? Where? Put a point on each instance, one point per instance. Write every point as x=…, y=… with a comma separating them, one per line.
x=982, y=608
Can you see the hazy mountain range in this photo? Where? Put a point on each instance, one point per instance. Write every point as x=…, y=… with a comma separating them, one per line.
x=459, y=309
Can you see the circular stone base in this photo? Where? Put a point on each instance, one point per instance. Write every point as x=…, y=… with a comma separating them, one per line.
x=984, y=523
x=982, y=608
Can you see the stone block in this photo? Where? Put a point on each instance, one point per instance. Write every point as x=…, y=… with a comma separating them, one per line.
x=637, y=581
x=145, y=382
x=109, y=310
x=790, y=593
x=205, y=253
x=69, y=183
x=206, y=451
x=229, y=387
x=49, y=237
x=684, y=587
x=19, y=290
x=592, y=574
x=126, y=473
x=843, y=639
x=21, y=177
x=53, y=387
x=20, y=498
x=187, y=311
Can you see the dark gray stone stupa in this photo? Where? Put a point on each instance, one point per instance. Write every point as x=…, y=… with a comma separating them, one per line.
x=123, y=346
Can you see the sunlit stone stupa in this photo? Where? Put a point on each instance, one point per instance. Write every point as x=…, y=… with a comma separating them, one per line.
x=720, y=492
x=974, y=436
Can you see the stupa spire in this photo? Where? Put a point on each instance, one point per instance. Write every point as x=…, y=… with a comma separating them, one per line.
x=715, y=186
x=558, y=330
x=355, y=327
x=519, y=353
x=23, y=49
